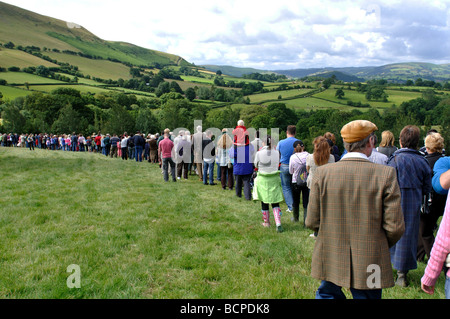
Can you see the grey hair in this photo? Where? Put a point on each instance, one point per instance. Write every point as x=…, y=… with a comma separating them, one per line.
x=359, y=145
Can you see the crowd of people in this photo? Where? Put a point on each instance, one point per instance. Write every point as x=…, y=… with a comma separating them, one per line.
x=369, y=205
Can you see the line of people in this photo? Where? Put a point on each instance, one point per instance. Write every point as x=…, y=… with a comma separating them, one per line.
x=361, y=214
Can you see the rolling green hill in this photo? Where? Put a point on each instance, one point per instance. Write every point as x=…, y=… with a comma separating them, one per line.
x=398, y=72
x=26, y=28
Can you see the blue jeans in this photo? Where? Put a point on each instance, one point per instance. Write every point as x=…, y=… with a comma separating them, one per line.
x=447, y=287
x=165, y=165
x=328, y=290
x=286, y=180
x=138, y=153
x=208, y=168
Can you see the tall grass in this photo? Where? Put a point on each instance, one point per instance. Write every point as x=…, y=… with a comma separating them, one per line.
x=135, y=236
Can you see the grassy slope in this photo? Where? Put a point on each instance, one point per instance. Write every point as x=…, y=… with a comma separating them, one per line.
x=135, y=236
x=22, y=77
x=11, y=92
x=25, y=28
x=102, y=69
x=21, y=59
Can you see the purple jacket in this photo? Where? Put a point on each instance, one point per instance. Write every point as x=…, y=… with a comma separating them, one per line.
x=242, y=157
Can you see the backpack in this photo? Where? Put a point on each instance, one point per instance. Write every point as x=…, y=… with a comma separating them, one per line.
x=302, y=175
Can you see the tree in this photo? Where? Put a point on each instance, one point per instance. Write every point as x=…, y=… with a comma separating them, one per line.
x=69, y=120
x=282, y=115
x=190, y=94
x=9, y=45
x=163, y=87
x=249, y=112
x=339, y=93
x=419, y=82
x=13, y=119
x=147, y=122
x=376, y=93
x=175, y=87
x=120, y=120
x=204, y=93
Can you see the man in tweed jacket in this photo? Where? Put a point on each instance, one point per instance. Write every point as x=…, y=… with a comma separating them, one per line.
x=355, y=207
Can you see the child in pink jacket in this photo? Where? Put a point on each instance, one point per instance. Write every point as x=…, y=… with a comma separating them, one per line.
x=441, y=249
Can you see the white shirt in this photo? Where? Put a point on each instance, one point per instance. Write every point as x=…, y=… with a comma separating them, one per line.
x=123, y=142
x=355, y=155
x=265, y=162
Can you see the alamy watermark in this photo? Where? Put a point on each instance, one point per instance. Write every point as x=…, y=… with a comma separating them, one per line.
x=74, y=280
x=241, y=138
x=374, y=279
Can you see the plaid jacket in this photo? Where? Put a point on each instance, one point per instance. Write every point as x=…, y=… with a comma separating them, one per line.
x=355, y=206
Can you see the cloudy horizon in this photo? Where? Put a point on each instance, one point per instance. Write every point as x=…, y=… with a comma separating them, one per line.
x=269, y=35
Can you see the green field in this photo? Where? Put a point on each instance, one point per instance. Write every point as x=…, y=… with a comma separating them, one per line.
x=286, y=94
x=311, y=103
x=134, y=236
x=22, y=77
x=11, y=92
x=21, y=59
x=102, y=69
x=81, y=88
x=396, y=97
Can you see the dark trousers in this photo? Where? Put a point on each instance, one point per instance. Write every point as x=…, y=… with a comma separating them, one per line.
x=296, y=192
x=265, y=206
x=226, y=177
x=428, y=223
x=182, y=168
x=165, y=164
x=124, y=153
x=328, y=290
x=243, y=180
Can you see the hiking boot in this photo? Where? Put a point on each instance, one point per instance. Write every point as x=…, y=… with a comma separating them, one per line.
x=401, y=280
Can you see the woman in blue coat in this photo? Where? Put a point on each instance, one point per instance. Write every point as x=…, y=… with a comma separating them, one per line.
x=414, y=178
x=243, y=168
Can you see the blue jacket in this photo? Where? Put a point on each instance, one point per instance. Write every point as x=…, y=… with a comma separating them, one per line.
x=242, y=157
x=414, y=179
x=441, y=166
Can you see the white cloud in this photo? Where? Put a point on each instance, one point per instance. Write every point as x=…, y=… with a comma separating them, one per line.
x=268, y=34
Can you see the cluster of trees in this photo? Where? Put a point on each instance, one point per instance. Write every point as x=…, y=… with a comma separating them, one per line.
x=267, y=77
x=66, y=110
x=373, y=91
x=428, y=83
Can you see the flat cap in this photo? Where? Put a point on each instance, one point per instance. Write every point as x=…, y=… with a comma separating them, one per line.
x=357, y=130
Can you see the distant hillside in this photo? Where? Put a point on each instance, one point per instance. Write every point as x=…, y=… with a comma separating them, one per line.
x=398, y=72
x=26, y=28
x=234, y=71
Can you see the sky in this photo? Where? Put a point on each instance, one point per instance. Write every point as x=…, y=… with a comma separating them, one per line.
x=268, y=34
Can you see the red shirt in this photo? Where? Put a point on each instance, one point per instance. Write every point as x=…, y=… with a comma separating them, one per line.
x=98, y=140
x=165, y=147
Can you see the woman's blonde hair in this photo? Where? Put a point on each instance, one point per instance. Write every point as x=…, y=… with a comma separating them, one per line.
x=387, y=139
x=224, y=141
x=434, y=142
x=322, y=150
